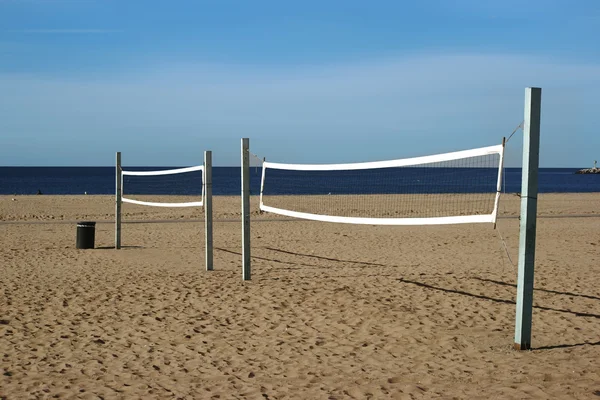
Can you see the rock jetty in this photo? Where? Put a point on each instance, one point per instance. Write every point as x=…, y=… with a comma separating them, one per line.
x=589, y=171
x=594, y=170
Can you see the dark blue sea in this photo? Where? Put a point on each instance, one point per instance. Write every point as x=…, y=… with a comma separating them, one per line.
x=226, y=181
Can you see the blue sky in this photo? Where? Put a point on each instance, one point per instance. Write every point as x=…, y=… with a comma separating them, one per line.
x=310, y=81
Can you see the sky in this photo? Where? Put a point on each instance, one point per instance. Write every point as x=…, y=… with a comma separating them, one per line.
x=307, y=81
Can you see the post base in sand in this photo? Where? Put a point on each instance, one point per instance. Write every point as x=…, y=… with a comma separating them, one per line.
x=524, y=346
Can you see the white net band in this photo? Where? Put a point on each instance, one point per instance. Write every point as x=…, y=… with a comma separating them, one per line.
x=466, y=219
x=405, y=162
x=162, y=173
x=493, y=162
x=155, y=204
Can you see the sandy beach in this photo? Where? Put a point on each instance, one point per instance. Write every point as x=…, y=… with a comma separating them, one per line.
x=333, y=311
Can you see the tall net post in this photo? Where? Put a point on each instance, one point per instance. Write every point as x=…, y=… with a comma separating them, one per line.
x=245, y=209
x=208, y=220
x=529, y=193
x=118, y=201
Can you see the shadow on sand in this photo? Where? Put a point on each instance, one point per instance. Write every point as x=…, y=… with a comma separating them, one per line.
x=300, y=264
x=587, y=296
x=122, y=247
x=479, y=296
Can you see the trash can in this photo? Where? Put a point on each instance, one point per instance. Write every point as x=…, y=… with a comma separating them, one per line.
x=86, y=233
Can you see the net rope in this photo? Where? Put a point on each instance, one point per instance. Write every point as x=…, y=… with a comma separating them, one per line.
x=176, y=182
x=504, y=246
x=458, y=187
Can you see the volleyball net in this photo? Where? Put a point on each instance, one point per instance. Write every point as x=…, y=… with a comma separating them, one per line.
x=187, y=182
x=174, y=187
x=450, y=188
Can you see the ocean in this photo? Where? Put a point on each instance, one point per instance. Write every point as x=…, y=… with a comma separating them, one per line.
x=226, y=182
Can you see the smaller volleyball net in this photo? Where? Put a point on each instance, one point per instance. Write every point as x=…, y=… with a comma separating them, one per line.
x=170, y=187
x=186, y=183
x=450, y=188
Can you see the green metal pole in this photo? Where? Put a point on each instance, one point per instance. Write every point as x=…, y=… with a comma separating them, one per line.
x=246, y=271
x=529, y=193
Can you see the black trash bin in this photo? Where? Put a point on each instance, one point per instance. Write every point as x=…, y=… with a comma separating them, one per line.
x=86, y=234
